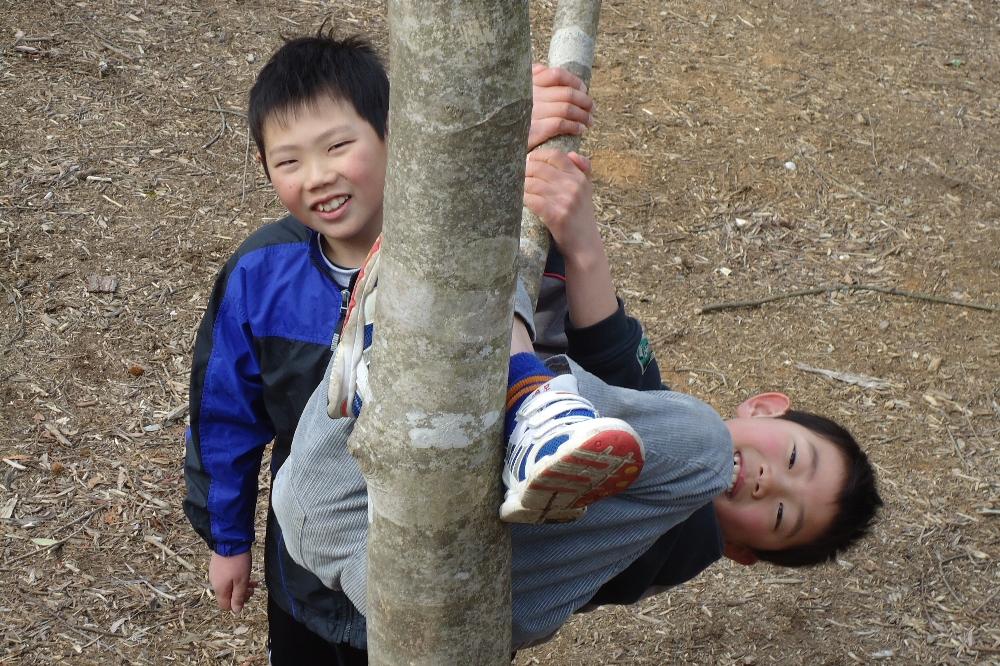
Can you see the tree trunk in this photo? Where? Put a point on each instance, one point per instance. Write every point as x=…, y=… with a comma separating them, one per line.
x=574, y=36
x=429, y=444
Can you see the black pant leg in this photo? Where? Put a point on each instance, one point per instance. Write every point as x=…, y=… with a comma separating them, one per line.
x=291, y=643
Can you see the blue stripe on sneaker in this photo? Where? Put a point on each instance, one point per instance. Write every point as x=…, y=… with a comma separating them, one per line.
x=550, y=446
x=590, y=414
x=356, y=405
x=520, y=468
x=369, y=331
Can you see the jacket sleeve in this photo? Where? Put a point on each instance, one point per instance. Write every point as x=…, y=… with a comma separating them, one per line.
x=616, y=350
x=229, y=425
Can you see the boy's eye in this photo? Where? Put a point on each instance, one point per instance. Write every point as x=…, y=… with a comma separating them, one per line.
x=284, y=163
x=340, y=144
x=781, y=510
x=791, y=460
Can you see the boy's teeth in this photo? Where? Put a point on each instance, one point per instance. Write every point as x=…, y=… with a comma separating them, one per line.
x=332, y=204
x=736, y=470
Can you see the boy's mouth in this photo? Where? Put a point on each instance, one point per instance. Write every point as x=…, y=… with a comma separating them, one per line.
x=737, y=478
x=333, y=204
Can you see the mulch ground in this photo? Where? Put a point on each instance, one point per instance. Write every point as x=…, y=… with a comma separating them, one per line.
x=742, y=151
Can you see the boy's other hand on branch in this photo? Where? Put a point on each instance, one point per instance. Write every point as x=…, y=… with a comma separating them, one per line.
x=560, y=105
x=557, y=190
x=230, y=579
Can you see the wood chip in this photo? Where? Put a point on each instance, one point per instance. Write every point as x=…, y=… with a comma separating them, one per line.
x=57, y=433
x=7, y=511
x=102, y=284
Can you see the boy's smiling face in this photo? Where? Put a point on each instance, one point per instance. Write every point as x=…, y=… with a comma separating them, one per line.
x=787, y=484
x=327, y=165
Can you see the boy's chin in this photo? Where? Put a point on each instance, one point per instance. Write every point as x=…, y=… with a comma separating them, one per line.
x=739, y=554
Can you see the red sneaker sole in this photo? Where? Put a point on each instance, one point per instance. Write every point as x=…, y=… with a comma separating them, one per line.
x=614, y=454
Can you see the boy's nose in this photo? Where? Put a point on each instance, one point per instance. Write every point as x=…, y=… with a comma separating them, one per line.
x=762, y=484
x=319, y=174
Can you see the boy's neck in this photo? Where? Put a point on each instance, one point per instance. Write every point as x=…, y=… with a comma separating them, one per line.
x=344, y=254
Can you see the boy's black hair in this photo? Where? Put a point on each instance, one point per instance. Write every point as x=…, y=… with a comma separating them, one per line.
x=856, y=505
x=306, y=68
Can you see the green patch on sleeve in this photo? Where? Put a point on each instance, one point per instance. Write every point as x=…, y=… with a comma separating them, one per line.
x=644, y=353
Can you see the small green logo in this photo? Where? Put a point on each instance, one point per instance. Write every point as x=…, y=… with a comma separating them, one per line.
x=644, y=354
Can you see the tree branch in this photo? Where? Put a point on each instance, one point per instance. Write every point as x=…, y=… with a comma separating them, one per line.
x=574, y=36
x=892, y=291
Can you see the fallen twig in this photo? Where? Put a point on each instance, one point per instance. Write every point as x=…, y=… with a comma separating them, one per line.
x=718, y=374
x=158, y=542
x=892, y=291
x=864, y=381
x=232, y=112
x=222, y=128
x=246, y=161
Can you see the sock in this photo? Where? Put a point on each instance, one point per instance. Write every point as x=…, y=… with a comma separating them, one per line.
x=526, y=373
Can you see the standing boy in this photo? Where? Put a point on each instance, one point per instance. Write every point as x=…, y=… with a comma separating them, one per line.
x=318, y=115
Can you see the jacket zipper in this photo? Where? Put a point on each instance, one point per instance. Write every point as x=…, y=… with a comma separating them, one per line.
x=345, y=299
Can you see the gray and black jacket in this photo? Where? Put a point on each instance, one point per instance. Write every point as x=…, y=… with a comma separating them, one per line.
x=321, y=500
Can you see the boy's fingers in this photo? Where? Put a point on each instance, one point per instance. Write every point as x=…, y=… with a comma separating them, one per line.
x=223, y=596
x=563, y=109
x=532, y=201
x=539, y=168
x=240, y=595
x=543, y=130
x=557, y=76
x=554, y=158
x=581, y=162
x=538, y=205
x=540, y=181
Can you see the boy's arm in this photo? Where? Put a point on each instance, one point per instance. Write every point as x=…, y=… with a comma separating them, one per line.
x=229, y=430
x=601, y=337
x=617, y=351
x=557, y=190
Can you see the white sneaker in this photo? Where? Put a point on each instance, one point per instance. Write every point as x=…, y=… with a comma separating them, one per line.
x=349, y=388
x=563, y=456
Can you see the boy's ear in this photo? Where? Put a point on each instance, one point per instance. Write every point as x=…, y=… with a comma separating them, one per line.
x=739, y=554
x=764, y=404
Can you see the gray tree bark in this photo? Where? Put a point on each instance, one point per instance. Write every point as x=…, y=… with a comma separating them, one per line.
x=429, y=444
x=574, y=36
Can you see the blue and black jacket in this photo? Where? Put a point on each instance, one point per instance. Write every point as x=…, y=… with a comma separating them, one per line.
x=262, y=347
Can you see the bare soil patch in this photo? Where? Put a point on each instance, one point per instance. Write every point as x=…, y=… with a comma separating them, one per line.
x=741, y=150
